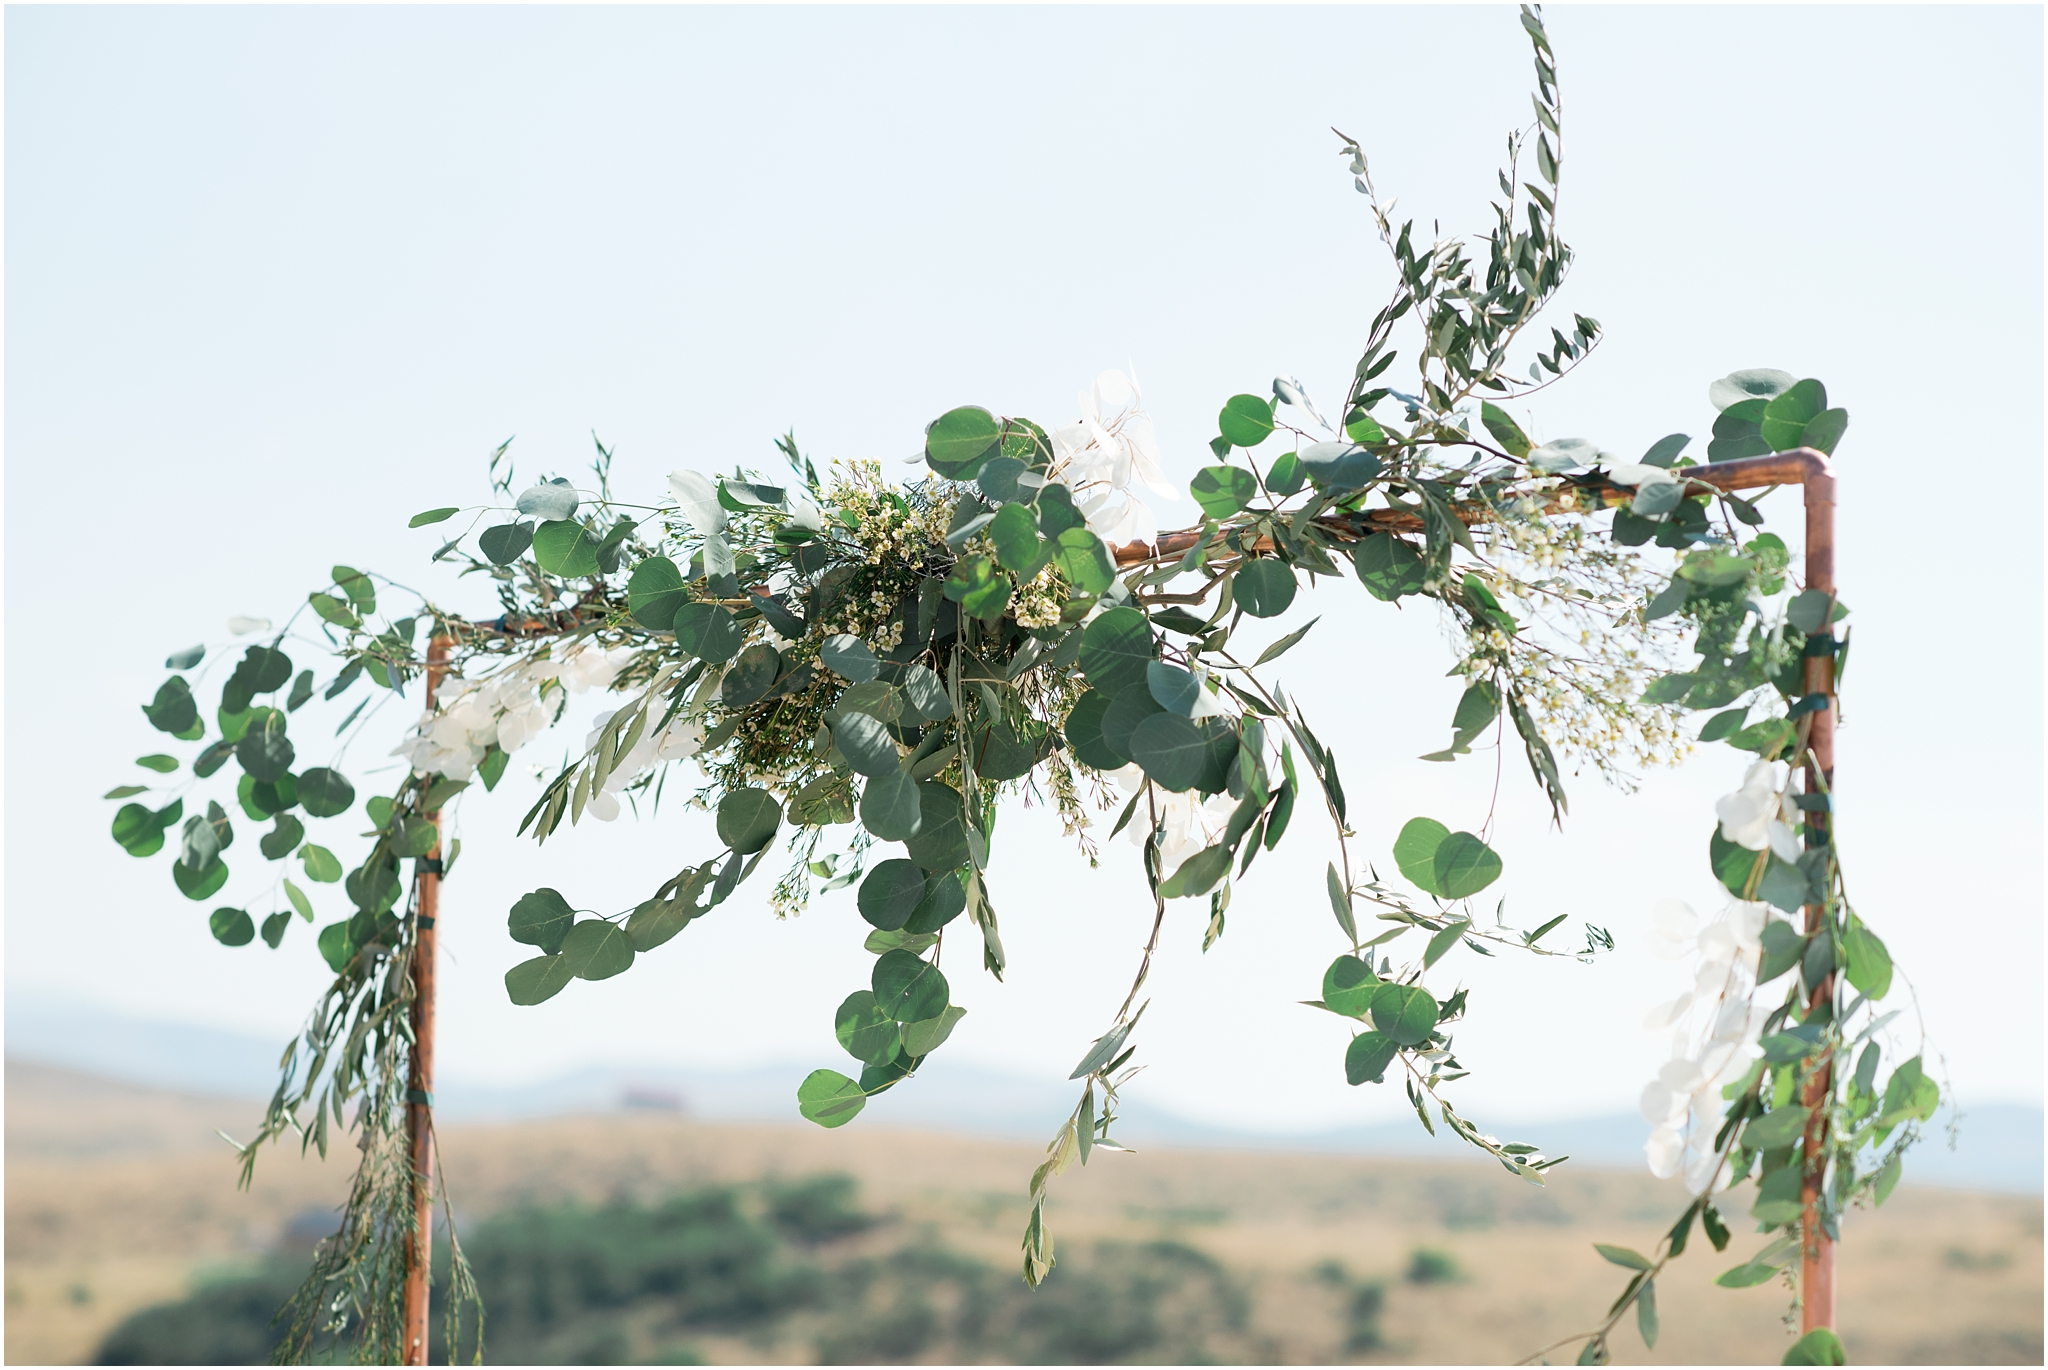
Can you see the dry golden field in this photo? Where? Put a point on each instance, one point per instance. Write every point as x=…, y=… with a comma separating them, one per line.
x=118, y=1197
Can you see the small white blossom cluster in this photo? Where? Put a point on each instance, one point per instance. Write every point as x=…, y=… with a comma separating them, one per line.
x=681, y=738
x=1100, y=457
x=1715, y=1026
x=507, y=709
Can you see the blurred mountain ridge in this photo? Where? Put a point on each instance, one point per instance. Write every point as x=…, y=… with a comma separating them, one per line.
x=1999, y=1145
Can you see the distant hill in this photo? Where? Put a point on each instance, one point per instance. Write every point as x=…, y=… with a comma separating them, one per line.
x=1999, y=1147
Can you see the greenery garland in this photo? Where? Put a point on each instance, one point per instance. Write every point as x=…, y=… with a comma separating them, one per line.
x=870, y=669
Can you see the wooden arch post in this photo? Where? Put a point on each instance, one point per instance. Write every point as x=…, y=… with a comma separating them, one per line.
x=419, y=1092
x=1810, y=470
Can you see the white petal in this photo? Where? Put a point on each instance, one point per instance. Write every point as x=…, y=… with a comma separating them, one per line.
x=1746, y=921
x=1717, y=944
x=1664, y=1015
x=241, y=625
x=1665, y=1149
x=1783, y=841
x=1681, y=1076
x=603, y=806
x=1659, y=1104
x=1675, y=919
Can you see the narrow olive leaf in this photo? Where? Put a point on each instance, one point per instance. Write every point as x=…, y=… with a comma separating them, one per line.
x=433, y=516
x=1622, y=1256
x=1286, y=642
x=1443, y=942
x=1340, y=903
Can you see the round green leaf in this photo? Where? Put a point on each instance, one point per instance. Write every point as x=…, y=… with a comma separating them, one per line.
x=909, y=988
x=1464, y=865
x=323, y=793
x=1368, y=1057
x=1223, y=490
x=1246, y=421
x=282, y=840
x=1115, y=649
x=232, y=927
x=751, y=677
x=829, y=1099
x=866, y=743
x=850, y=657
x=654, y=592
x=274, y=926
x=1173, y=751
x=869, y=1035
x=528, y=983
x=1015, y=535
x=1415, y=852
x=1348, y=987
x=551, y=499
x=926, y=694
x=943, y=901
x=940, y=842
x=998, y=478
x=503, y=545
x=173, y=710
x=891, y=808
x=922, y=1039
x=1084, y=733
x=136, y=829
x=201, y=884
x=999, y=753
x=541, y=919
x=1223, y=742
x=597, y=950
x=891, y=893
x=1287, y=476
x=320, y=863
x=565, y=548
x=1176, y=690
x=265, y=753
x=960, y=441
x=1406, y=1013
x=1338, y=465
x=1263, y=588
x=747, y=820
x=1122, y=718
x=1084, y=560
x=708, y=631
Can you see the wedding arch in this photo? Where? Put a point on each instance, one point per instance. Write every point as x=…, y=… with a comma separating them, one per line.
x=860, y=672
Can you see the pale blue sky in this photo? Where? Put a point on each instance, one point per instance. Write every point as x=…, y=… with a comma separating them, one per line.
x=277, y=278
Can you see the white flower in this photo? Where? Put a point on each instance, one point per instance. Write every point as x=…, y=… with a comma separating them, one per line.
x=1747, y=813
x=1100, y=457
x=602, y=806
x=1187, y=823
x=241, y=625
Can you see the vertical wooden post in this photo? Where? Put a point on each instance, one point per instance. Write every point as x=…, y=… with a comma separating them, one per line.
x=1816, y=1248
x=1811, y=471
x=419, y=1094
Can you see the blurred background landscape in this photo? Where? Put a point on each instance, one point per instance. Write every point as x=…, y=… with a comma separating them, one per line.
x=654, y=1216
